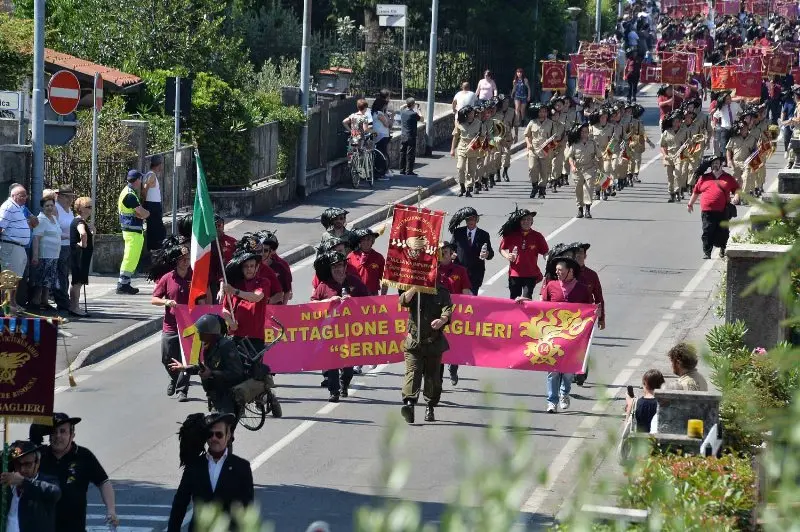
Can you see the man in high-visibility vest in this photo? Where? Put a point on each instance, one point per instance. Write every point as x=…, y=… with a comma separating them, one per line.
x=131, y=220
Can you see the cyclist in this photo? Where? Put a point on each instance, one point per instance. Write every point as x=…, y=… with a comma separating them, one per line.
x=222, y=368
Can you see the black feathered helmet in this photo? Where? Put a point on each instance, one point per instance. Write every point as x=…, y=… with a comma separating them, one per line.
x=246, y=249
x=638, y=110
x=324, y=262
x=574, y=134
x=662, y=90
x=460, y=216
x=165, y=259
x=328, y=215
x=512, y=224
x=533, y=110
x=330, y=244
x=359, y=234
x=738, y=126
x=552, y=262
x=594, y=117
x=464, y=112
x=268, y=238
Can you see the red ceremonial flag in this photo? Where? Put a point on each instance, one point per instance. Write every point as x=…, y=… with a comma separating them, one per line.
x=204, y=233
x=727, y=7
x=413, y=255
x=575, y=61
x=748, y=85
x=675, y=70
x=593, y=82
x=650, y=73
x=723, y=77
x=554, y=75
x=778, y=64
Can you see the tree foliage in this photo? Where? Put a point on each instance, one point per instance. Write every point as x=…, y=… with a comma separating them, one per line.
x=16, y=43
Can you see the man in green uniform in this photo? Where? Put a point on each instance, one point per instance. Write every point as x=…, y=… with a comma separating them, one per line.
x=424, y=345
x=131, y=219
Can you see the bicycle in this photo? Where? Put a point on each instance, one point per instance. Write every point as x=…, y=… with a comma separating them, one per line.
x=256, y=392
x=362, y=160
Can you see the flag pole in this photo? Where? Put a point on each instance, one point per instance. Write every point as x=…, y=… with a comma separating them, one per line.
x=419, y=294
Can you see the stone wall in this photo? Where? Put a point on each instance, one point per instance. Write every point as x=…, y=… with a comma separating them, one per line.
x=9, y=128
x=762, y=313
x=15, y=166
x=676, y=407
x=107, y=255
x=789, y=181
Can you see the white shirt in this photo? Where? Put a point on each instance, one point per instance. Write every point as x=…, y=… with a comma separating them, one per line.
x=12, y=523
x=215, y=468
x=463, y=98
x=65, y=221
x=14, y=224
x=726, y=115
x=50, y=237
x=378, y=127
x=154, y=192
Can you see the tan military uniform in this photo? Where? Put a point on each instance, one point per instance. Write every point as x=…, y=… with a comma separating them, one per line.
x=602, y=137
x=741, y=148
x=509, y=118
x=480, y=171
x=635, y=145
x=586, y=158
x=558, y=153
x=762, y=128
x=672, y=141
x=538, y=164
x=620, y=165
x=696, y=130
x=467, y=158
x=571, y=118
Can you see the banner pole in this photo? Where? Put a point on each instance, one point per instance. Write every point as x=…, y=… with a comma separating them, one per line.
x=3, y=512
x=419, y=294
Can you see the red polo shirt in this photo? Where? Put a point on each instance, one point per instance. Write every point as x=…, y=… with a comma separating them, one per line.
x=712, y=198
x=368, y=267
x=173, y=286
x=455, y=278
x=267, y=273
x=579, y=294
x=228, y=246
x=350, y=271
x=352, y=285
x=251, y=316
x=590, y=278
x=283, y=271
x=529, y=246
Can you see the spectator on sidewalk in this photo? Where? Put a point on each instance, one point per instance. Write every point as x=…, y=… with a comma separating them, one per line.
x=81, y=243
x=486, y=88
x=382, y=124
x=409, y=118
x=45, y=256
x=683, y=358
x=151, y=194
x=462, y=98
x=131, y=218
x=360, y=122
x=15, y=235
x=63, y=209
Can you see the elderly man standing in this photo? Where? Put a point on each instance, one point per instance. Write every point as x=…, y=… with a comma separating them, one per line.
x=65, y=197
x=15, y=235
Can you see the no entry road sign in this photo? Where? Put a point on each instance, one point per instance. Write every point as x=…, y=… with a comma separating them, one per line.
x=64, y=92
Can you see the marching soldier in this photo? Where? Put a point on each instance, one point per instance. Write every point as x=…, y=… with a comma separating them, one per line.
x=538, y=134
x=636, y=143
x=483, y=145
x=738, y=150
x=583, y=157
x=686, y=159
x=424, y=345
x=699, y=139
x=760, y=130
x=615, y=147
x=673, y=137
x=572, y=118
x=334, y=220
x=466, y=135
x=492, y=142
x=602, y=134
x=509, y=118
x=558, y=117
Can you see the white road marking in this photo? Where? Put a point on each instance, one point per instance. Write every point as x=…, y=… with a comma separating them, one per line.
x=623, y=378
x=65, y=334
x=652, y=338
x=272, y=450
x=677, y=304
x=698, y=278
x=126, y=353
x=233, y=223
x=635, y=362
x=669, y=316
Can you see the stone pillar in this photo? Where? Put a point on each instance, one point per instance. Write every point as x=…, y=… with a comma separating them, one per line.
x=15, y=166
x=138, y=140
x=789, y=181
x=762, y=313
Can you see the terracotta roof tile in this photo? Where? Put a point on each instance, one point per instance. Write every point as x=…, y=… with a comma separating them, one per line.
x=70, y=62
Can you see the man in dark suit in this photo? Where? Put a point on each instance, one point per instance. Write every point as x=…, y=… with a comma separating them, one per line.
x=212, y=474
x=469, y=242
x=472, y=250
x=30, y=497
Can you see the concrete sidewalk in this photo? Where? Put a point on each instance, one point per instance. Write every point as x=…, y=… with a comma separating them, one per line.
x=118, y=321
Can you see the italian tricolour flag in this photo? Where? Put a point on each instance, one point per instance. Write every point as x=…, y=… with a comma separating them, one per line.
x=203, y=235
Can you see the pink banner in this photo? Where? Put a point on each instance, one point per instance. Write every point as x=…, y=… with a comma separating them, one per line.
x=484, y=331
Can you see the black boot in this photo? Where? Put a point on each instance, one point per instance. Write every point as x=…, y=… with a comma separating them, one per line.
x=429, y=413
x=477, y=188
x=605, y=195
x=407, y=411
x=636, y=177
x=671, y=198
x=533, y=192
x=588, y=210
x=555, y=188
x=491, y=180
x=542, y=192
x=469, y=192
x=463, y=190
x=566, y=179
x=596, y=194
x=580, y=212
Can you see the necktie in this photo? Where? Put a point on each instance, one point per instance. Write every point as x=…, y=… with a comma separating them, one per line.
x=471, y=237
x=730, y=117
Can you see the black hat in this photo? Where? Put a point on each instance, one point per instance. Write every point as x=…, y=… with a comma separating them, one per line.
x=720, y=97
x=574, y=133
x=331, y=243
x=662, y=90
x=211, y=324
x=512, y=224
x=479, y=107
x=243, y=253
x=594, y=117
x=216, y=417
x=533, y=109
x=705, y=164
x=501, y=98
x=461, y=215
x=360, y=234
x=165, y=259
x=59, y=418
x=324, y=262
x=638, y=110
x=463, y=112
x=553, y=262
x=445, y=244
x=268, y=238
x=20, y=448
x=329, y=214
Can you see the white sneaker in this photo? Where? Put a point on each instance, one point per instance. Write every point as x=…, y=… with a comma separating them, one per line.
x=563, y=402
x=551, y=408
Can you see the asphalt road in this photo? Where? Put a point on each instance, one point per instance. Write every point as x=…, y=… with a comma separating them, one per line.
x=322, y=461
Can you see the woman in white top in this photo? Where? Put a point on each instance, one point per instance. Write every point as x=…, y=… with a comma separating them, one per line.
x=487, y=88
x=722, y=120
x=381, y=124
x=155, y=232
x=44, y=254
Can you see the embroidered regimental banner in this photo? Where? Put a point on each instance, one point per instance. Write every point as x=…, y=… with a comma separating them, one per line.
x=27, y=370
x=413, y=255
x=554, y=75
x=723, y=77
x=484, y=331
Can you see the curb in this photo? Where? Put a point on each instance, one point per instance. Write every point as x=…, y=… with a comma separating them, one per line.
x=138, y=331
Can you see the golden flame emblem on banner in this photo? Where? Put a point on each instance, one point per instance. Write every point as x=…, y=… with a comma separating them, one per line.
x=9, y=364
x=547, y=327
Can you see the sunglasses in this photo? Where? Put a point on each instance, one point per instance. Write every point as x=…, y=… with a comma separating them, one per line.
x=218, y=434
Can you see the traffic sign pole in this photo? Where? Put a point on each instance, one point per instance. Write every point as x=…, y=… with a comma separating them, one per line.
x=37, y=113
x=95, y=130
x=431, y=77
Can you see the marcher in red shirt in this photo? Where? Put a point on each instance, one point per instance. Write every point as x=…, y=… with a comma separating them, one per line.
x=281, y=268
x=173, y=275
x=228, y=245
x=590, y=278
x=366, y=263
x=714, y=187
x=521, y=246
x=273, y=270
x=668, y=100
x=333, y=244
x=248, y=295
x=455, y=278
x=336, y=284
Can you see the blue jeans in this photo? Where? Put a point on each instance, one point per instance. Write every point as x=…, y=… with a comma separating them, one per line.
x=558, y=384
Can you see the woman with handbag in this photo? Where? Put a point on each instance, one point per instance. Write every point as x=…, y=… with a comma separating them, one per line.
x=714, y=187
